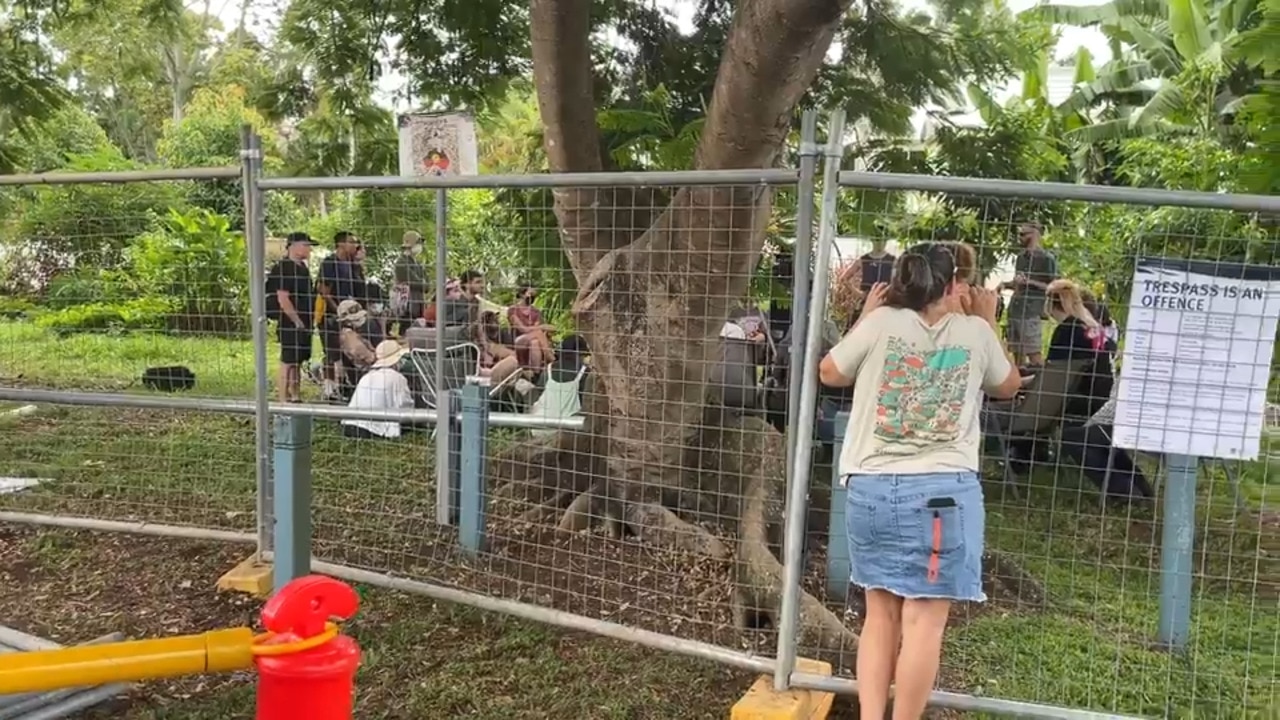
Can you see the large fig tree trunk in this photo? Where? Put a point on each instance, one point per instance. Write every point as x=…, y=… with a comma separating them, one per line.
x=656, y=284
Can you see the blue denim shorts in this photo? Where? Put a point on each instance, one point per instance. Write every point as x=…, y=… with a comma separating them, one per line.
x=917, y=535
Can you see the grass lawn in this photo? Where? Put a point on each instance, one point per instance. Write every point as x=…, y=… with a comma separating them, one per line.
x=1088, y=644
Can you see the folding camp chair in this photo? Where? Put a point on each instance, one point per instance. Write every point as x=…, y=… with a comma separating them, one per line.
x=1035, y=415
x=460, y=362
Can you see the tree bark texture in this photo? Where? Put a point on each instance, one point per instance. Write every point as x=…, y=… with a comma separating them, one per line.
x=656, y=285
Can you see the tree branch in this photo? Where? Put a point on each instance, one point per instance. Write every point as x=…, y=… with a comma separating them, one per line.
x=774, y=51
x=594, y=221
x=560, y=31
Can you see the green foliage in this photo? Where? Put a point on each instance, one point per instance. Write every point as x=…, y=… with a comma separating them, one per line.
x=1259, y=48
x=1181, y=44
x=1100, y=243
x=209, y=136
x=131, y=64
x=53, y=143
x=189, y=274
x=90, y=286
x=87, y=224
x=1019, y=142
x=198, y=265
x=29, y=89
x=15, y=308
x=147, y=313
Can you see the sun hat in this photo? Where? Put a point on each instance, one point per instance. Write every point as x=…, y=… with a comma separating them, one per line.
x=411, y=239
x=387, y=354
x=350, y=312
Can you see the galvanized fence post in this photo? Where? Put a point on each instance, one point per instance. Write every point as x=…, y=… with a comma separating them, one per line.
x=448, y=452
x=801, y=258
x=255, y=239
x=803, y=425
x=442, y=278
x=1177, y=557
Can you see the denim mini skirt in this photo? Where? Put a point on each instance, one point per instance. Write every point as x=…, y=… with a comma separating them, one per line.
x=917, y=535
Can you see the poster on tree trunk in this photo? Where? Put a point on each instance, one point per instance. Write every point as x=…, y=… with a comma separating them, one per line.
x=437, y=145
x=1197, y=355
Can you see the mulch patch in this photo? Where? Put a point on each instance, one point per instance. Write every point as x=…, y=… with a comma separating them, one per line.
x=73, y=587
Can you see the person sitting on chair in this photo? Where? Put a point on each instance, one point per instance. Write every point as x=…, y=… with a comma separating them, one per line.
x=382, y=388
x=530, y=329
x=1079, y=337
x=562, y=394
x=357, y=350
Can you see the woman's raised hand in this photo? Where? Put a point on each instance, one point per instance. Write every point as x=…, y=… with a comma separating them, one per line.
x=875, y=297
x=982, y=303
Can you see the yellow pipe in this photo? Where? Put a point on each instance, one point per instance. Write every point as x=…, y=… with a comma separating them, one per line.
x=212, y=652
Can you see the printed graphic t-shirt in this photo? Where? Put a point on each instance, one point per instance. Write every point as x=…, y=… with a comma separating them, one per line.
x=917, y=391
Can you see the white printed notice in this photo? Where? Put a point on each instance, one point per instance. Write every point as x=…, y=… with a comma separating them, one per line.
x=1197, y=358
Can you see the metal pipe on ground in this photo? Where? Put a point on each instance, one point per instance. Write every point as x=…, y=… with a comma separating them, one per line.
x=77, y=702
x=56, y=703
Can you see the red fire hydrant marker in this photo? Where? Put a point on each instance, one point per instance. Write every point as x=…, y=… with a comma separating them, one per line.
x=317, y=683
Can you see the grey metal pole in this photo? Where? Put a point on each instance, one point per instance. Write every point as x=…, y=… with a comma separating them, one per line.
x=444, y=399
x=442, y=278
x=255, y=237
x=76, y=703
x=800, y=279
x=802, y=427
x=1177, y=556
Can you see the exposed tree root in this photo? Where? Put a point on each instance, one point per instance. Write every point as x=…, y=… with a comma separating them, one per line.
x=732, y=478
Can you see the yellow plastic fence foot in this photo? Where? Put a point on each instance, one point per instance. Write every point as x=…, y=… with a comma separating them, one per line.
x=762, y=702
x=253, y=577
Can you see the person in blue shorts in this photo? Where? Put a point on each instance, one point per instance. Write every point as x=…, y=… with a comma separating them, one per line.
x=919, y=359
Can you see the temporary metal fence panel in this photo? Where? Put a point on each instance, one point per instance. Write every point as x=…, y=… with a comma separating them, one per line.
x=1124, y=575
x=655, y=512
x=102, y=276
x=619, y=524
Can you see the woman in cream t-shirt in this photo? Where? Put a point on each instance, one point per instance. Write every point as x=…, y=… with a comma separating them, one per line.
x=919, y=360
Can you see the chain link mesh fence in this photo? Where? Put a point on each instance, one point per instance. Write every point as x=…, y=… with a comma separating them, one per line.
x=1080, y=544
x=126, y=285
x=660, y=310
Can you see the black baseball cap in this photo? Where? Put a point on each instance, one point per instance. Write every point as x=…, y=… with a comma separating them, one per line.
x=294, y=238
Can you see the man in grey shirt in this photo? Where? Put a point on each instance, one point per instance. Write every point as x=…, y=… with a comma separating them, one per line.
x=1035, y=268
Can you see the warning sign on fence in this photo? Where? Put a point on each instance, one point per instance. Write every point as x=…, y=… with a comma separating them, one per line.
x=1197, y=358
x=437, y=144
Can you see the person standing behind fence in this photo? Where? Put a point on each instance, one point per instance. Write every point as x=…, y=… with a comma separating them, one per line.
x=410, y=290
x=915, y=515
x=340, y=279
x=291, y=300
x=1034, y=269
x=875, y=267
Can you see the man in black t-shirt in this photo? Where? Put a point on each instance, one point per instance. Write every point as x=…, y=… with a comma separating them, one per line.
x=341, y=278
x=290, y=283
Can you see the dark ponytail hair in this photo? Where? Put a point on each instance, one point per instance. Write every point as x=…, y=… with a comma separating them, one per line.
x=921, y=276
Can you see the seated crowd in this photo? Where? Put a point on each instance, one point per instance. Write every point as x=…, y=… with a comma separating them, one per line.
x=367, y=341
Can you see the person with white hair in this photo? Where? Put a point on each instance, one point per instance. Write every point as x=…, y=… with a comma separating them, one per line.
x=356, y=347
x=384, y=388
